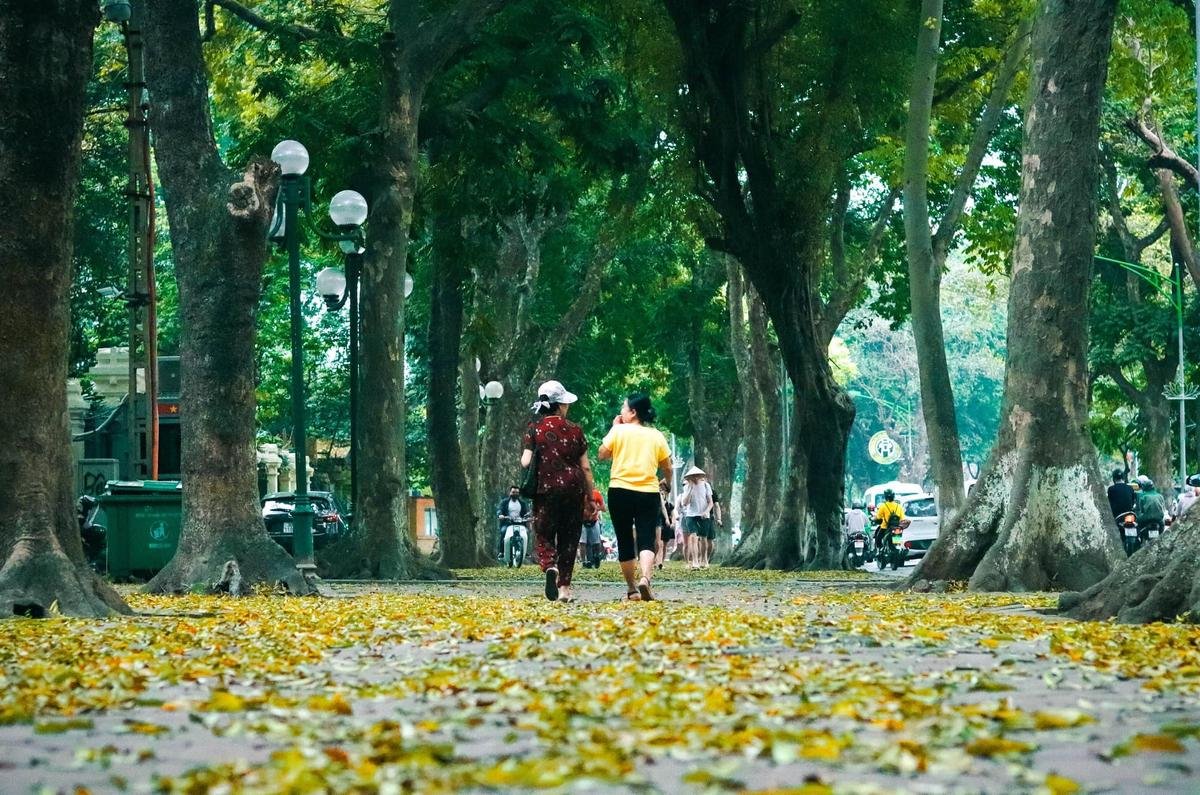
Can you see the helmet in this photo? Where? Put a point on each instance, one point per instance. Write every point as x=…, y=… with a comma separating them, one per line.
x=1118, y=475
x=888, y=495
x=1146, y=483
x=1194, y=480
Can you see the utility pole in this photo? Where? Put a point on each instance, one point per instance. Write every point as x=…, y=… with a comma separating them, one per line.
x=785, y=416
x=1180, y=391
x=141, y=428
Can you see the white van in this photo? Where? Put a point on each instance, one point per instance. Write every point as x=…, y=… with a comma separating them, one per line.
x=874, y=495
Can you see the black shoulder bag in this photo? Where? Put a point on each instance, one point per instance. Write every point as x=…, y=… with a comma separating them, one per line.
x=529, y=481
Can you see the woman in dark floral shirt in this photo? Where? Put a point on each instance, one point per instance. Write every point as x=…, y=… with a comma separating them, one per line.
x=564, y=487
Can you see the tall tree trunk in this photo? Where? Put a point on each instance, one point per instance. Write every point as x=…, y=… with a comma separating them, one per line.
x=1158, y=454
x=415, y=49
x=927, y=252
x=777, y=232
x=1157, y=372
x=1035, y=520
x=753, y=419
x=383, y=547
x=766, y=375
x=766, y=379
x=45, y=54
x=523, y=354
x=717, y=438
x=447, y=474
x=218, y=234
x=468, y=431
x=924, y=272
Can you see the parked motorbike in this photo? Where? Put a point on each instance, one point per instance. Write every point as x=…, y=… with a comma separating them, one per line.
x=1127, y=526
x=93, y=535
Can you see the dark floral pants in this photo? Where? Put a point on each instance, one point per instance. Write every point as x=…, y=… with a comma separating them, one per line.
x=557, y=523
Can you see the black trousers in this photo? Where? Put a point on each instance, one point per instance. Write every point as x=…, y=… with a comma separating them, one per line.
x=635, y=520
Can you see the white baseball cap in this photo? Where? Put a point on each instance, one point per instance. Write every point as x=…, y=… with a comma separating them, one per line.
x=556, y=393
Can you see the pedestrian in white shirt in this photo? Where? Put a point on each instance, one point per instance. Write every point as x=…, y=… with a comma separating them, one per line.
x=696, y=506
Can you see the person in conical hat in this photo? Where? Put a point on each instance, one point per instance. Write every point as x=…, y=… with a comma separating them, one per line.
x=696, y=506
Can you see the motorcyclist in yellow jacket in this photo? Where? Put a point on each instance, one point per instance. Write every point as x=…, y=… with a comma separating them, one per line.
x=889, y=515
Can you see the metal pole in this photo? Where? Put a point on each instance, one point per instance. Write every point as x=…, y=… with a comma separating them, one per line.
x=675, y=491
x=352, y=272
x=785, y=422
x=1183, y=467
x=137, y=195
x=302, y=542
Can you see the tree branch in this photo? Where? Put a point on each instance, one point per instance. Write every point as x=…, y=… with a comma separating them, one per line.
x=1181, y=242
x=620, y=207
x=837, y=236
x=846, y=291
x=429, y=43
x=1143, y=243
x=947, y=92
x=768, y=38
x=1123, y=383
x=980, y=140
x=1163, y=156
x=256, y=21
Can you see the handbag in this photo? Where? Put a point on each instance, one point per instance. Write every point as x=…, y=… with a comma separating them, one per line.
x=529, y=481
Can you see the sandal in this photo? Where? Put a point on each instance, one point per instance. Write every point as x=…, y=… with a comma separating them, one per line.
x=552, y=584
x=643, y=587
x=633, y=596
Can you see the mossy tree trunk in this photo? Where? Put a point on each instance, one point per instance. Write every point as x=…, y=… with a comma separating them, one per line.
x=45, y=60
x=1037, y=519
x=219, y=225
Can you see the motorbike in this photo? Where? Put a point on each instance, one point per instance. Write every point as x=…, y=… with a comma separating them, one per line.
x=1127, y=526
x=93, y=535
x=891, y=551
x=518, y=531
x=858, y=548
x=1149, y=531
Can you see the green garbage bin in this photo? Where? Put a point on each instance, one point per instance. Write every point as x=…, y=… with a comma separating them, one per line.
x=142, y=519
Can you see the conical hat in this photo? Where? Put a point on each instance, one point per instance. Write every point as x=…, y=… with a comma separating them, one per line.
x=693, y=472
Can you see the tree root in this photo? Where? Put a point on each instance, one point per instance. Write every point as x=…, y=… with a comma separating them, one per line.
x=1050, y=538
x=36, y=581
x=237, y=566
x=1159, y=582
x=351, y=559
x=1026, y=527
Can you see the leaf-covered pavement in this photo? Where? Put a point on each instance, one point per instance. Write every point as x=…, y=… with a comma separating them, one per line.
x=734, y=682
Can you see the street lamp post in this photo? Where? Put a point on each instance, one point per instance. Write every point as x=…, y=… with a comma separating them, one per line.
x=491, y=392
x=348, y=211
x=292, y=158
x=1179, y=391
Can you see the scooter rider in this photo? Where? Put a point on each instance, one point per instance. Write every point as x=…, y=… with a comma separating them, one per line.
x=889, y=515
x=1151, y=506
x=513, y=514
x=1122, y=499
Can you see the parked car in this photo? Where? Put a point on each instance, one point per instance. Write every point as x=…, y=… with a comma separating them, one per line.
x=329, y=518
x=921, y=511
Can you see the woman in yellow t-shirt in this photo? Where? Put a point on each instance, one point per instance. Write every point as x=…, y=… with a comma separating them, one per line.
x=639, y=455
